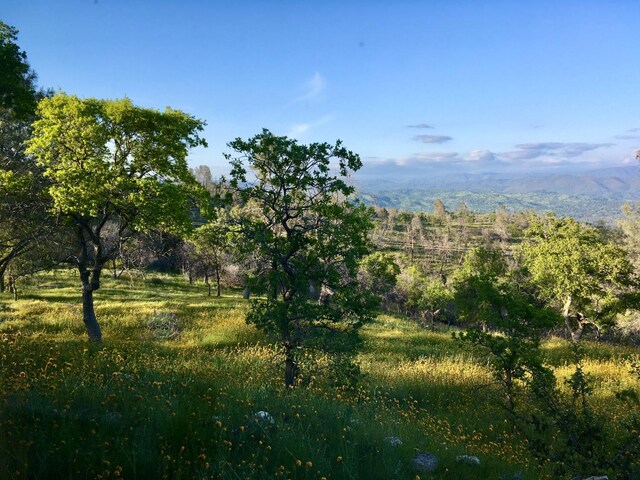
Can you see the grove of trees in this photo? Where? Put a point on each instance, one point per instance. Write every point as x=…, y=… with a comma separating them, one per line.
x=105, y=184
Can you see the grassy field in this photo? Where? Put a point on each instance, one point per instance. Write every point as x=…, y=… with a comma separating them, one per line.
x=181, y=402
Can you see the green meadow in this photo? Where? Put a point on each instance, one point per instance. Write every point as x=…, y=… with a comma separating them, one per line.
x=175, y=390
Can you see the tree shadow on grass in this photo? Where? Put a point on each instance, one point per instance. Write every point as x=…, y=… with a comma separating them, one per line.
x=410, y=346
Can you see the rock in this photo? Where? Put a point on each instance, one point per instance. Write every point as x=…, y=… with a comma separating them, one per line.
x=264, y=417
x=469, y=459
x=393, y=441
x=426, y=462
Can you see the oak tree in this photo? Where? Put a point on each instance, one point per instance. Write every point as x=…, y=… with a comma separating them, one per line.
x=299, y=216
x=576, y=271
x=111, y=161
x=212, y=244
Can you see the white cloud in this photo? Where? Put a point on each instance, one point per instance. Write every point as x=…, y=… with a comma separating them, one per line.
x=313, y=88
x=300, y=128
x=630, y=158
x=480, y=156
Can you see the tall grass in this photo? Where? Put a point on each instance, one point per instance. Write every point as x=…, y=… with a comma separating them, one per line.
x=144, y=405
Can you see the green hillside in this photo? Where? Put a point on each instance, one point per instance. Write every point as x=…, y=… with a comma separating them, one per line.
x=602, y=208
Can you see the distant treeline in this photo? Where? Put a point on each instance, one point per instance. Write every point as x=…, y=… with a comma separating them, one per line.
x=605, y=208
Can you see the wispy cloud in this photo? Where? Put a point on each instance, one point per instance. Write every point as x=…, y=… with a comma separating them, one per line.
x=577, y=149
x=313, y=88
x=521, y=154
x=633, y=130
x=540, y=146
x=541, y=155
x=473, y=160
x=432, y=138
x=627, y=137
x=298, y=129
x=528, y=151
x=420, y=125
x=301, y=128
x=435, y=157
x=416, y=160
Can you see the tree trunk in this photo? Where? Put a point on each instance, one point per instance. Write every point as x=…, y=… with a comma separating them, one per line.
x=217, y=282
x=90, y=282
x=207, y=283
x=89, y=315
x=115, y=270
x=2, y=287
x=90, y=269
x=290, y=367
x=246, y=294
x=274, y=269
x=575, y=333
x=13, y=288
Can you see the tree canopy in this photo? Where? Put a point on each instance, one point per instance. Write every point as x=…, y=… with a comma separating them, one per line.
x=17, y=82
x=23, y=206
x=109, y=161
x=575, y=270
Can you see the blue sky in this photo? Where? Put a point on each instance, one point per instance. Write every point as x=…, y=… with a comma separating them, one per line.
x=412, y=86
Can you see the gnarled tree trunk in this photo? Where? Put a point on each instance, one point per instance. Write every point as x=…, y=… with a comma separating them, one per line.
x=91, y=259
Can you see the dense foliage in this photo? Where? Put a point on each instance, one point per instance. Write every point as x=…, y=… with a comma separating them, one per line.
x=112, y=162
x=23, y=205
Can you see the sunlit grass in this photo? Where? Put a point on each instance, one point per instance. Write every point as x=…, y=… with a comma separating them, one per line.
x=142, y=406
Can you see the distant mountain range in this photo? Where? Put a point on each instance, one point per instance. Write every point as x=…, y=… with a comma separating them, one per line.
x=619, y=180
x=589, y=195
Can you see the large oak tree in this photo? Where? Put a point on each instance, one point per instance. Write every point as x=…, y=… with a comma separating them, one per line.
x=110, y=161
